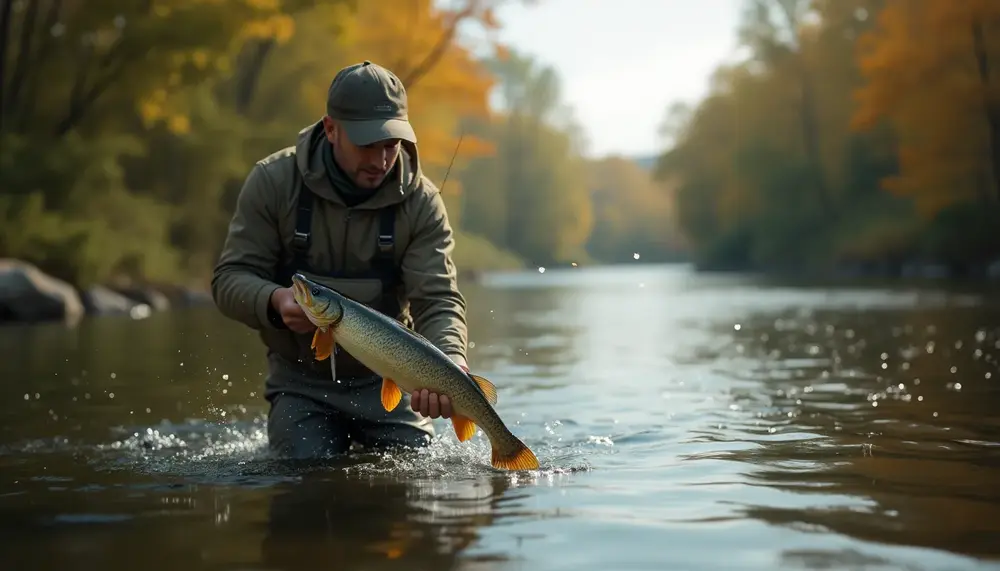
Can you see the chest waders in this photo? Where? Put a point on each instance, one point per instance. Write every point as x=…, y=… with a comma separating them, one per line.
x=383, y=268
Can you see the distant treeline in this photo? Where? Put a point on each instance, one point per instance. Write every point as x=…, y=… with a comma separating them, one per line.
x=858, y=134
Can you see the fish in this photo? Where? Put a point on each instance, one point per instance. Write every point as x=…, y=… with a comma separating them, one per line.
x=408, y=361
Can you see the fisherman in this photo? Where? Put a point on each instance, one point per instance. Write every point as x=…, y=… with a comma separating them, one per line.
x=349, y=207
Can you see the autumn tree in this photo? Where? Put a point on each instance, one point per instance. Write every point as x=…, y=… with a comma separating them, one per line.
x=531, y=196
x=128, y=127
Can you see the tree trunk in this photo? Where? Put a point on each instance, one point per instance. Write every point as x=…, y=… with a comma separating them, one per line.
x=989, y=107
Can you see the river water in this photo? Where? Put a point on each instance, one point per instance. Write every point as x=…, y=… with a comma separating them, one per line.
x=682, y=421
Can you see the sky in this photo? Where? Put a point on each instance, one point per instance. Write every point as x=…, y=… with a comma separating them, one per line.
x=622, y=63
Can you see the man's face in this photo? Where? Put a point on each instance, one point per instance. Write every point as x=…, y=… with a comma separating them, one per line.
x=366, y=165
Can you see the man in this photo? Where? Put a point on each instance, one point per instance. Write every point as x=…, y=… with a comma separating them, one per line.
x=348, y=206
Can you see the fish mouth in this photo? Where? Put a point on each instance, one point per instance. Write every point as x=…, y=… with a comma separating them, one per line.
x=321, y=310
x=301, y=292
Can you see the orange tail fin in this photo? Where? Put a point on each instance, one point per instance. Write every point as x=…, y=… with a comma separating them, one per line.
x=521, y=458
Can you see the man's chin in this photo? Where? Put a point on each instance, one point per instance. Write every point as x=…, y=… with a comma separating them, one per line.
x=369, y=182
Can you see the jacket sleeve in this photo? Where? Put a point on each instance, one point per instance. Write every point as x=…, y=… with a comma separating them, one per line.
x=430, y=280
x=242, y=282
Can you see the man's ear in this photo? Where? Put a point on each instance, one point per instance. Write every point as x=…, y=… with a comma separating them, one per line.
x=331, y=129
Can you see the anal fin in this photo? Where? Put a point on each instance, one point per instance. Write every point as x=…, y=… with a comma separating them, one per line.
x=391, y=395
x=464, y=428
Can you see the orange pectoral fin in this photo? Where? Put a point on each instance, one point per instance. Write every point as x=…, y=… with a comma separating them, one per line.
x=322, y=343
x=464, y=428
x=391, y=395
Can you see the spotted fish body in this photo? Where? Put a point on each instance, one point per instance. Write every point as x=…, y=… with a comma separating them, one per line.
x=407, y=362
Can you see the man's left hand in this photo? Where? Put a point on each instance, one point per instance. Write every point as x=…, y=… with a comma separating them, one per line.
x=432, y=404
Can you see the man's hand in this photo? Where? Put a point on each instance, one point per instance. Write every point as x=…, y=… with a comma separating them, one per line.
x=283, y=301
x=432, y=404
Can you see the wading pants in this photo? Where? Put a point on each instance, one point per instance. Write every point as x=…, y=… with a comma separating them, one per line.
x=312, y=417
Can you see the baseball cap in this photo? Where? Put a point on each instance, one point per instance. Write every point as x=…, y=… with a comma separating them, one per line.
x=370, y=102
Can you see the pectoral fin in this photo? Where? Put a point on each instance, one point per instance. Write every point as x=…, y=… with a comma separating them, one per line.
x=322, y=343
x=488, y=388
x=464, y=428
x=391, y=394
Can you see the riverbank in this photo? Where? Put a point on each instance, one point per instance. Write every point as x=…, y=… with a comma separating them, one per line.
x=29, y=295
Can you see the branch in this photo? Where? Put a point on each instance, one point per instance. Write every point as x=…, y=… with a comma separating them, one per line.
x=24, y=49
x=253, y=59
x=46, y=44
x=80, y=100
x=5, y=12
x=437, y=52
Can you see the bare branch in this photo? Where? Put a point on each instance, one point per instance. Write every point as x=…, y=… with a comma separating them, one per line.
x=5, y=18
x=413, y=76
x=23, y=53
x=45, y=46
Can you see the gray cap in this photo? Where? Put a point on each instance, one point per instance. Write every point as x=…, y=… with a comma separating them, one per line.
x=370, y=102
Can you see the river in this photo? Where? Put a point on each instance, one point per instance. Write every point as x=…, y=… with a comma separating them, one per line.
x=682, y=421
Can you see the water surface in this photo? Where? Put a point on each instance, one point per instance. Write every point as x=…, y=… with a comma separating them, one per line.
x=682, y=422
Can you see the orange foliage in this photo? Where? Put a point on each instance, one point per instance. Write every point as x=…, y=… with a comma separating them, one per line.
x=922, y=77
x=419, y=43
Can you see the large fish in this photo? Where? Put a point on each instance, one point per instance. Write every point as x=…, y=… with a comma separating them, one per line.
x=407, y=361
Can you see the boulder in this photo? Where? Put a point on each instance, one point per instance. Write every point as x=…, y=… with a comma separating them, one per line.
x=28, y=295
x=100, y=300
x=156, y=300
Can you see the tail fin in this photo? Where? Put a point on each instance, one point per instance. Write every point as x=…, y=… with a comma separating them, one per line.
x=520, y=457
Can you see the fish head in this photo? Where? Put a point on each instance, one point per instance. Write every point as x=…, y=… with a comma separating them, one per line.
x=321, y=304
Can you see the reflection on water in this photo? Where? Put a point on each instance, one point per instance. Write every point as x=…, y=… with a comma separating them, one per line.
x=889, y=415
x=673, y=414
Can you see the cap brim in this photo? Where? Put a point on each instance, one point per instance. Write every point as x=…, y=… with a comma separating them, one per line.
x=367, y=132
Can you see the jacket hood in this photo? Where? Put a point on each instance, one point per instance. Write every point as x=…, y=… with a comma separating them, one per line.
x=403, y=180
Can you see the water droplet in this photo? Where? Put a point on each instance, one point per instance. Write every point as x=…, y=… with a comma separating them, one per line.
x=635, y=256
x=541, y=270
x=225, y=377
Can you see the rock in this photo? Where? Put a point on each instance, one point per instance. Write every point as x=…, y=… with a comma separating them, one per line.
x=180, y=296
x=100, y=300
x=28, y=295
x=156, y=300
x=993, y=270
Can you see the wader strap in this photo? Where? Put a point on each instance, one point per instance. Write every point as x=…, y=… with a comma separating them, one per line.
x=302, y=237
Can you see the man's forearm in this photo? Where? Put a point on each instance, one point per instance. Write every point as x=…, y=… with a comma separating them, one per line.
x=245, y=297
x=442, y=321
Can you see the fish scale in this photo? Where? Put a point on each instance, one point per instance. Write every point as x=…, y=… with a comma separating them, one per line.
x=407, y=361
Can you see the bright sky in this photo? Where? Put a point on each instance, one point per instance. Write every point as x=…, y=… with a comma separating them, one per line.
x=623, y=62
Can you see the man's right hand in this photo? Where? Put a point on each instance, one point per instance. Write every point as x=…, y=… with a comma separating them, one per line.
x=283, y=301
